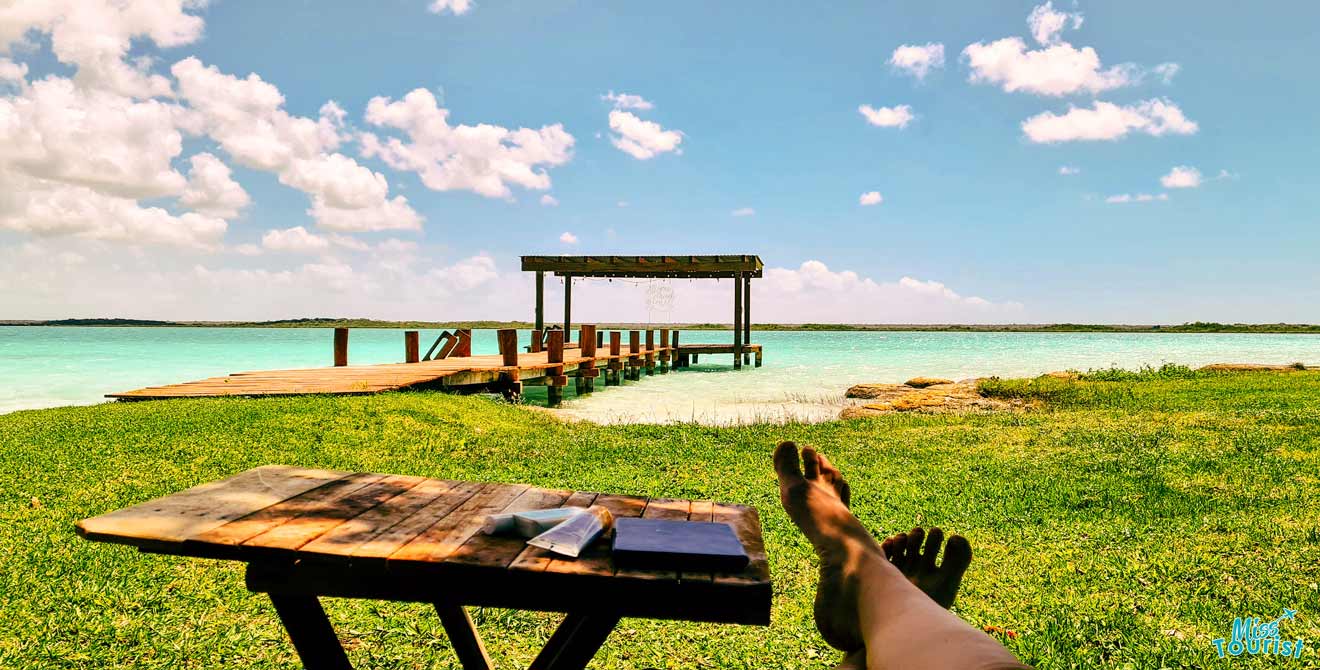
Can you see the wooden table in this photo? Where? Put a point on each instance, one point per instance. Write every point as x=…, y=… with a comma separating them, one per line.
x=306, y=534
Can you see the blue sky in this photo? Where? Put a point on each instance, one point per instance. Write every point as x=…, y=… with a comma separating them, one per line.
x=976, y=223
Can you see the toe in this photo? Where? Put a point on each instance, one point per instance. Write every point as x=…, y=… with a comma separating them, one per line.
x=835, y=478
x=912, y=551
x=933, y=541
x=787, y=466
x=827, y=468
x=957, y=556
x=891, y=548
x=899, y=557
x=810, y=463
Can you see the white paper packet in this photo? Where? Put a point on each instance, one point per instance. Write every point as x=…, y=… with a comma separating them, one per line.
x=572, y=536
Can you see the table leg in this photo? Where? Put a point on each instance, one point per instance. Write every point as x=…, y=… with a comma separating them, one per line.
x=311, y=632
x=463, y=636
x=575, y=642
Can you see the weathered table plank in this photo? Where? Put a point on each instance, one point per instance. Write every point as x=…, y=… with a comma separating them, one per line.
x=186, y=514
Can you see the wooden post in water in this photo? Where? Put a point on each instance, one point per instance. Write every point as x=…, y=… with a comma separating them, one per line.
x=509, y=380
x=747, y=315
x=341, y=347
x=612, y=368
x=665, y=354
x=600, y=339
x=650, y=351
x=555, y=379
x=737, y=320
x=587, y=372
x=680, y=361
x=634, y=361
x=411, y=347
x=508, y=339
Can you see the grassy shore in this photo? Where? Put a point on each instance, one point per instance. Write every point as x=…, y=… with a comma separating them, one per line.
x=1193, y=327
x=1121, y=524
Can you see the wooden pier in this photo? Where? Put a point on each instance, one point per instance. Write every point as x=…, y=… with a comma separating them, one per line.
x=550, y=360
x=552, y=365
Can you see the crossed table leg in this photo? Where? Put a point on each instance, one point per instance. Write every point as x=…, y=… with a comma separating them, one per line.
x=571, y=647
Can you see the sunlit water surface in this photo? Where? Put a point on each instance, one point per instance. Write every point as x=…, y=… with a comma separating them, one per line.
x=804, y=376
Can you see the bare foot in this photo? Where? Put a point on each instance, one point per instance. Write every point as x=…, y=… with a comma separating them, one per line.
x=905, y=551
x=816, y=504
x=941, y=583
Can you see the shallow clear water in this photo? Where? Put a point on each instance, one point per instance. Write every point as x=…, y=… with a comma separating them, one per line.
x=804, y=376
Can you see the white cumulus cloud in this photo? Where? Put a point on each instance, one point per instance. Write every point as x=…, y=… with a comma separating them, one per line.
x=744, y=211
x=246, y=117
x=95, y=36
x=295, y=240
x=11, y=72
x=870, y=198
x=568, y=238
x=549, y=200
x=1055, y=69
x=1139, y=197
x=1182, y=176
x=918, y=59
x=640, y=139
x=1069, y=170
x=212, y=189
x=627, y=101
x=1047, y=24
x=1108, y=121
x=52, y=209
x=455, y=7
x=485, y=159
x=887, y=117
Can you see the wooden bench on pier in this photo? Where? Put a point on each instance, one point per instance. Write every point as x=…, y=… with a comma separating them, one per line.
x=307, y=534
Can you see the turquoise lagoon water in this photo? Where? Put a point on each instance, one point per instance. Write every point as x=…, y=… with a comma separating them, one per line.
x=804, y=376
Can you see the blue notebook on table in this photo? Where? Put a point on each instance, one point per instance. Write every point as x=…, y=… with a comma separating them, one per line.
x=660, y=544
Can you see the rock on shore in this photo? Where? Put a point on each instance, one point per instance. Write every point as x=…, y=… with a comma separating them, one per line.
x=938, y=397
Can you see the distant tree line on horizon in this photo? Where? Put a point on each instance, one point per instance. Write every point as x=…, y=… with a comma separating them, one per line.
x=325, y=322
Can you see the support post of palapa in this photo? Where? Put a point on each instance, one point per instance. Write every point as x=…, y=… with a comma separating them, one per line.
x=540, y=300
x=341, y=347
x=555, y=379
x=737, y=320
x=568, y=305
x=510, y=383
x=411, y=347
x=747, y=315
x=680, y=361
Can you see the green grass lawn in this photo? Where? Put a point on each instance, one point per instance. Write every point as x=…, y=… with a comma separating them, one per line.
x=1120, y=524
